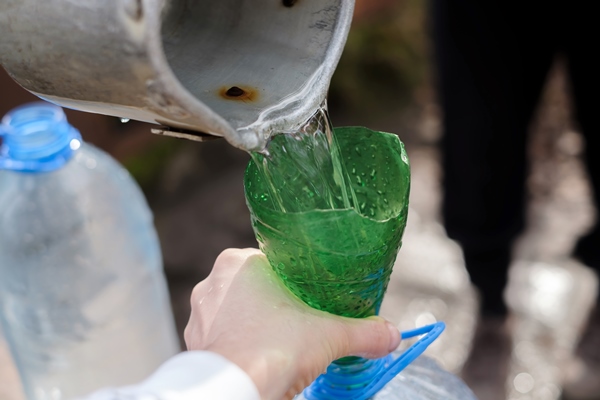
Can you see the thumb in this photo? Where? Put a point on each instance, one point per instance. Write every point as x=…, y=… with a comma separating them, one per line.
x=372, y=337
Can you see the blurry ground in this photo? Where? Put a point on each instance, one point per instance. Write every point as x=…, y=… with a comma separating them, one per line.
x=383, y=81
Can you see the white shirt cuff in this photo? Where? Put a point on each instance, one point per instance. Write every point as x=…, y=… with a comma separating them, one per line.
x=191, y=375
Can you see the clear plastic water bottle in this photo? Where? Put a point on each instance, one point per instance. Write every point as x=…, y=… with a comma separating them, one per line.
x=84, y=302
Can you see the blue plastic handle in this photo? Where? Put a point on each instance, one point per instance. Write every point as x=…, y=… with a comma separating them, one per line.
x=335, y=386
x=431, y=332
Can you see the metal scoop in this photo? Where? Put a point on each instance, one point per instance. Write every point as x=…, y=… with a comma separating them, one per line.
x=240, y=69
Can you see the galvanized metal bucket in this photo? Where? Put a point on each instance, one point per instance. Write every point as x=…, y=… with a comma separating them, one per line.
x=234, y=68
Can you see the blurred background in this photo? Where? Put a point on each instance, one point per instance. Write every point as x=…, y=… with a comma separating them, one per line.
x=385, y=81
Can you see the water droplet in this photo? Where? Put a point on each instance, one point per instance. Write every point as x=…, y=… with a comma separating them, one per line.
x=74, y=144
x=124, y=120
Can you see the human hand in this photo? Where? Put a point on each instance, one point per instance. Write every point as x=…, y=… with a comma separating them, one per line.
x=245, y=313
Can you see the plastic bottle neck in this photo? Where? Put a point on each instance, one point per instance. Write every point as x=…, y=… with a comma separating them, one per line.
x=37, y=138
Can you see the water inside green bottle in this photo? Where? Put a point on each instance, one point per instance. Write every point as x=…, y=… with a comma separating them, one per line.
x=303, y=169
x=328, y=209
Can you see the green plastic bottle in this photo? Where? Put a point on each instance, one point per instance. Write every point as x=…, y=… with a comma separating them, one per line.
x=337, y=259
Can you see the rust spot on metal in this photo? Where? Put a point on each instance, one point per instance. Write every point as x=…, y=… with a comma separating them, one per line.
x=239, y=93
x=235, y=91
x=289, y=3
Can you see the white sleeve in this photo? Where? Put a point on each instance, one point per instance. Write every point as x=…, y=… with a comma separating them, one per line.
x=191, y=375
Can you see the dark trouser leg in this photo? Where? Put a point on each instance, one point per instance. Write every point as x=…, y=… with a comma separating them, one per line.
x=492, y=60
x=581, y=34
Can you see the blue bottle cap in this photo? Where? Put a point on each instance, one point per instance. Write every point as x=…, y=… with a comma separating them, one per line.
x=37, y=137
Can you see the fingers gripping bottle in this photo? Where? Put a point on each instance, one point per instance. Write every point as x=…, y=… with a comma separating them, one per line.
x=336, y=251
x=83, y=299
